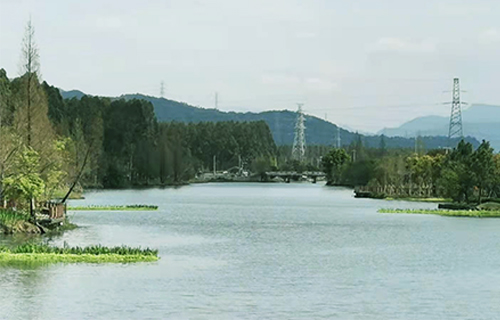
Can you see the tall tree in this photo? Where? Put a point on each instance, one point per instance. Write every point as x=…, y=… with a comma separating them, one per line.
x=483, y=168
x=30, y=70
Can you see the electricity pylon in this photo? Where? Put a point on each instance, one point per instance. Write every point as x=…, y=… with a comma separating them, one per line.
x=338, y=137
x=299, y=141
x=456, y=128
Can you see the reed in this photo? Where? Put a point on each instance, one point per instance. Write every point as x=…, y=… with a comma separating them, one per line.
x=136, y=207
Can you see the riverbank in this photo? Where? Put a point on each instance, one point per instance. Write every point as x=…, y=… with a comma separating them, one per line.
x=447, y=213
x=19, y=222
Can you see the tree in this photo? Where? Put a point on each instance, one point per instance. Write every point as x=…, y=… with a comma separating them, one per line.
x=30, y=70
x=457, y=180
x=382, y=145
x=333, y=163
x=483, y=168
x=24, y=181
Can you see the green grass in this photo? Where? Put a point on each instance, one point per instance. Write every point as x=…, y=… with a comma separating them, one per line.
x=138, y=207
x=9, y=217
x=449, y=213
x=7, y=258
x=44, y=254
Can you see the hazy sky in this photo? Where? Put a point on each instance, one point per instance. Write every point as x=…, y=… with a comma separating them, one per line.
x=365, y=64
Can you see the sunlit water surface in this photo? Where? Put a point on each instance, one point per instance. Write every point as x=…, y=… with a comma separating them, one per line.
x=266, y=251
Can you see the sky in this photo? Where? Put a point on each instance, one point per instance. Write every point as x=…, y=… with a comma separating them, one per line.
x=363, y=64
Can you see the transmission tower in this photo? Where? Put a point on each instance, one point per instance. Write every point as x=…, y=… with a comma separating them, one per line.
x=338, y=137
x=456, y=129
x=216, y=101
x=299, y=141
x=162, y=89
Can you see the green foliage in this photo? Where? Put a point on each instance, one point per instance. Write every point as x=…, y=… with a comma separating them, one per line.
x=468, y=174
x=261, y=165
x=93, y=250
x=9, y=217
x=333, y=164
x=464, y=174
x=25, y=182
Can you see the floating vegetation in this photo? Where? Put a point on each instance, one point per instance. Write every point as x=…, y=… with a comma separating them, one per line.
x=43, y=254
x=449, y=213
x=136, y=207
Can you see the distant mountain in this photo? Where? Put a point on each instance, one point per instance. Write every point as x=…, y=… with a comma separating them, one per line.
x=281, y=124
x=72, y=94
x=479, y=121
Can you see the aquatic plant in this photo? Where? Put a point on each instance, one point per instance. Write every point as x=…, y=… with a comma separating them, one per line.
x=95, y=250
x=41, y=253
x=136, y=207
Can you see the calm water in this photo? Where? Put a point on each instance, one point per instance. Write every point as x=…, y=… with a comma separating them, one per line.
x=261, y=251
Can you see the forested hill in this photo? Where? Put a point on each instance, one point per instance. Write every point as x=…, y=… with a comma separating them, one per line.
x=281, y=124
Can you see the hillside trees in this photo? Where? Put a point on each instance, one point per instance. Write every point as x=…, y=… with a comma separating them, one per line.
x=464, y=174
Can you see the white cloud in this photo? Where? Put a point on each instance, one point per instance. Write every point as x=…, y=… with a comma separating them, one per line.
x=403, y=45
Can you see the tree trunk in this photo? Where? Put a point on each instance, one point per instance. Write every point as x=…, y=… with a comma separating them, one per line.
x=32, y=210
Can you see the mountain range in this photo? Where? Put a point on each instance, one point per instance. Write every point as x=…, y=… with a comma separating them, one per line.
x=280, y=122
x=479, y=121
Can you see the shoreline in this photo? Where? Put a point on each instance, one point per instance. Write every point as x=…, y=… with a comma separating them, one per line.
x=445, y=213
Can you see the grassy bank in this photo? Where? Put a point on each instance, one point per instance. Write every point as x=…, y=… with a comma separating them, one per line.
x=10, y=218
x=139, y=207
x=449, y=213
x=44, y=254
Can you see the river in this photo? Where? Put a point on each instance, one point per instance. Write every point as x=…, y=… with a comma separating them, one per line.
x=266, y=251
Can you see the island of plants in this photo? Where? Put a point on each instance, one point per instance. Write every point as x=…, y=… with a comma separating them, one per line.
x=45, y=254
x=136, y=207
x=449, y=213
